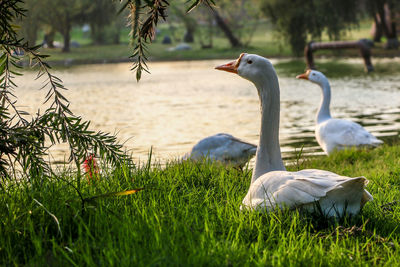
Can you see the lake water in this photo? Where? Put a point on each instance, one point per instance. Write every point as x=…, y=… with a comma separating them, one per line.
x=183, y=102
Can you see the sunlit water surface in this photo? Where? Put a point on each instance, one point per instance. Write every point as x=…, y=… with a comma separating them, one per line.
x=183, y=102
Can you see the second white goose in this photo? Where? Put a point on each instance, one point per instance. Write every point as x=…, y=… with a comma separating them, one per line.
x=336, y=134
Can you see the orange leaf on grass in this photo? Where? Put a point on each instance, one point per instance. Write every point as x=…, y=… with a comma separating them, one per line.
x=115, y=194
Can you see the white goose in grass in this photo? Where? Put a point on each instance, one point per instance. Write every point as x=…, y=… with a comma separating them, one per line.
x=336, y=134
x=271, y=185
x=224, y=148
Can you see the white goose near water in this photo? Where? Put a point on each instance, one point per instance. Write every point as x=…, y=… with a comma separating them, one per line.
x=271, y=185
x=224, y=148
x=336, y=134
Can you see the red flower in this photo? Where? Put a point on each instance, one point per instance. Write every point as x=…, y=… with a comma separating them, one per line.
x=91, y=167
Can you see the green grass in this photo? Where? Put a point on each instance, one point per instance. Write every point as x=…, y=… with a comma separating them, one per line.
x=89, y=54
x=337, y=68
x=265, y=42
x=189, y=214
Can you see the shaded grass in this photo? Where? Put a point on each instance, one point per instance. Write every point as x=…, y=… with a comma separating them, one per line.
x=157, y=52
x=189, y=214
x=337, y=68
x=265, y=42
x=88, y=54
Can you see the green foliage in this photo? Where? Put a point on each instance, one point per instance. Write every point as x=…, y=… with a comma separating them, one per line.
x=242, y=17
x=144, y=16
x=188, y=214
x=338, y=68
x=30, y=23
x=100, y=14
x=236, y=19
x=24, y=143
x=177, y=10
x=297, y=20
x=62, y=15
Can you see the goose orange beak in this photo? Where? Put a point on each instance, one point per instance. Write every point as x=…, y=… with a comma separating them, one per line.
x=304, y=75
x=231, y=66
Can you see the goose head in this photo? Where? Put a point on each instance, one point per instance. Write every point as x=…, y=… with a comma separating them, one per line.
x=251, y=67
x=313, y=76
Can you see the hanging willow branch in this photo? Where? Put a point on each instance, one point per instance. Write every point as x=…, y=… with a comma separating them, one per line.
x=26, y=143
x=144, y=17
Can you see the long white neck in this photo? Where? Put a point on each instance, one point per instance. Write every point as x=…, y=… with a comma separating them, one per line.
x=268, y=157
x=323, y=111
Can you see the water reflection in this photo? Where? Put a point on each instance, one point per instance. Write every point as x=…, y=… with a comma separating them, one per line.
x=182, y=102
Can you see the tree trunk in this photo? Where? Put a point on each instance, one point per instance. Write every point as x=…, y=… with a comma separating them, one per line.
x=210, y=35
x=93, y=33
x=188, y=37
x=388, y=26
x=381, y=13
x=66, y=32
x=67, y=40
x=227, y=31
x=377, y=31
x=31, y=34
x=49, y=38
x=392, y=41
x=190, y=25
x=116, y=35
x=97, y=34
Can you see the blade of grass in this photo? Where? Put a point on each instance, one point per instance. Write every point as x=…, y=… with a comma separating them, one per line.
x=51, y=214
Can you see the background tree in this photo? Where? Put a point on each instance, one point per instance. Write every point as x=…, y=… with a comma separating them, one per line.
x=384, y=12
x=235, y=19
x=177, y=9
x=144, y=16
x=62, y=15
x=297, y=20
x=51, y=16
x=30, y=23
x=114, y=29
x=99, y=14
x=242, y=16
x=226, y=29
x=206, y=28
x=49, y=35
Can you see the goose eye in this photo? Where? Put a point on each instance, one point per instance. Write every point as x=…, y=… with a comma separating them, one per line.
x=249, y=61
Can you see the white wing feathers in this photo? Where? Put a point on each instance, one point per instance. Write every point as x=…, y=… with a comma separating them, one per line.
x=338, y=133
x=303, y=188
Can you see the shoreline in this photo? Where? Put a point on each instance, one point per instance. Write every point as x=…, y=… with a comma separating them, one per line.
x=344, y=54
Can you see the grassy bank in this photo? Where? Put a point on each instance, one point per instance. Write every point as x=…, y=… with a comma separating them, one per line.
x=188, y=214
x=159, y=52
x=328, y=62
x=334, y=65
x=265, y=42
x=339, y=68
